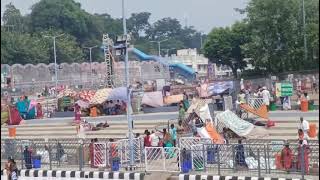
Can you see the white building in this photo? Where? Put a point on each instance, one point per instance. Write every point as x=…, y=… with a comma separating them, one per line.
x=199, y=63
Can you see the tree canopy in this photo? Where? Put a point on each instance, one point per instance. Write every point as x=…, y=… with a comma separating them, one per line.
x=271, y=36
x=25, y=43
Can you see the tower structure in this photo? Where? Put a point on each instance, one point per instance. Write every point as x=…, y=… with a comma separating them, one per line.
x=107, y=44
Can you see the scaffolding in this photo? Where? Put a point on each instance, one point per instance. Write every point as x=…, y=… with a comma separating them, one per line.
x=108, y=59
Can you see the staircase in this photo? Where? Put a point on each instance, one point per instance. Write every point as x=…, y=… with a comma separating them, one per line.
x=285, y=128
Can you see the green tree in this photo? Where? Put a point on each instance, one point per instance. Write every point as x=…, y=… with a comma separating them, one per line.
x=164, y=28
x=19, y=48
x=67, y=48
x=138, y=23
x=277, y=34
x=12, y=19
x=224, y=46
x=64, y=15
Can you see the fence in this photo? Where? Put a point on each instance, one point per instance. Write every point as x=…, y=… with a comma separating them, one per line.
x=253, y=157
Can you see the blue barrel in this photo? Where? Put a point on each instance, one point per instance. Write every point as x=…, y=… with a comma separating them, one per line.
x=36, y=161
x=115, y=165
x=185, y=167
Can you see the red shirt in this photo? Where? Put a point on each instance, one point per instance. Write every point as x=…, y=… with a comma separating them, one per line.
x=147, y=141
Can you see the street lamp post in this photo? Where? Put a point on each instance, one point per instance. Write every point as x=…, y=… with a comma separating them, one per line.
x=129, y=118
x=159, y=45
x=169, y=50
x=55, y=60
x=90, y=49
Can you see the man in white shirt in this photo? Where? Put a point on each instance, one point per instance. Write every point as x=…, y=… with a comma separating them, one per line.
x=154, y=139
x=266, y=96
x=304, y=125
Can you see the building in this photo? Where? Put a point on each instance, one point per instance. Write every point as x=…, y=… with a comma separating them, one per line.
x=191, y=58
x=200, y=64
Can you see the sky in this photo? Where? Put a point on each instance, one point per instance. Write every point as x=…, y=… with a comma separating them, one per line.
x=202, y=14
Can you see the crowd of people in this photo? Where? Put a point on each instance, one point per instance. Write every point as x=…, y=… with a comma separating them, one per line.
x=166, y=139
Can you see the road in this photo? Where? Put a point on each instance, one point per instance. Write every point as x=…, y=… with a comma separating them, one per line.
x=171, y=115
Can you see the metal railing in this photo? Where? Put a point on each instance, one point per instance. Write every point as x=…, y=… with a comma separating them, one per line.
x=251, y=158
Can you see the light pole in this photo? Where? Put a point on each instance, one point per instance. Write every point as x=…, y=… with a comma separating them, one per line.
x=201, y=32
x=55, y=60
x=129, y=118
x=90, y=49
x=159, y=45
x=169, y=50
x=304, y=32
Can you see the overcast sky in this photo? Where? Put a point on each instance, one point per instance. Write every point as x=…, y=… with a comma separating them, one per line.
x=202, y=14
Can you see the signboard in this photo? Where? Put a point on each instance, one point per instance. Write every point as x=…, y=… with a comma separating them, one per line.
x=284, y=89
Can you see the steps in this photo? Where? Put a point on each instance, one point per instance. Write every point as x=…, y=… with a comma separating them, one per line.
x=286, y=126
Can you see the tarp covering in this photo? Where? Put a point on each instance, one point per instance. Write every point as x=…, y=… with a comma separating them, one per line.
x=233, y=122
x=86, y=95
x=67, y=92
x=153, y=99
x=173, y=99
x=100, y=96
x=219, y=87
x=214, y=135
x=203, y=133
x=119, y=93
x=32, y=104
x=205, y=113
x=201, y=108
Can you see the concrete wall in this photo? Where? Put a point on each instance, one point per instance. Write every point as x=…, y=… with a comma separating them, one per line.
x=79, y=74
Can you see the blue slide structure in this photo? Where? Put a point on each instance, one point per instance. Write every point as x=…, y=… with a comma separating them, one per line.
x=179, y=68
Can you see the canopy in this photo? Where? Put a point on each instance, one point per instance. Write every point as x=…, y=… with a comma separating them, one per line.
x=119, y=93
x=100, y=96
x=67, y=92
x=86, y=95
x=153, y=99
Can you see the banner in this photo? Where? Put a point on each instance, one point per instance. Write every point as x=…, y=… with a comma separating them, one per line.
x=284, y=89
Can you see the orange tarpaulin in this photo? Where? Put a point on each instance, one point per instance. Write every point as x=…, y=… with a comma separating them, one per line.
x=261, y=111
x=214, y=135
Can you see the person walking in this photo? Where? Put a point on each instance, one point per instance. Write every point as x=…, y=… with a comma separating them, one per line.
x=39, y=111
x=182, y=112
x=173, y=134
x=77, y=114
x=266, y=96
x=304, y=125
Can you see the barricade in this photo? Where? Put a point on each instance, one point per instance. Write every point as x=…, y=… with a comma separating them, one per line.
x=255, y=103
x=197, y=154
x=99, y=154
x=162, y=159
x=188, y=142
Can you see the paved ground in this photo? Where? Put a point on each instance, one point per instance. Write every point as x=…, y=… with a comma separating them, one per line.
x=168, y=116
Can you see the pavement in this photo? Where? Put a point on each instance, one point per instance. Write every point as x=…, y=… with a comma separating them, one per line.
x=285, y=128
x=168, y=116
